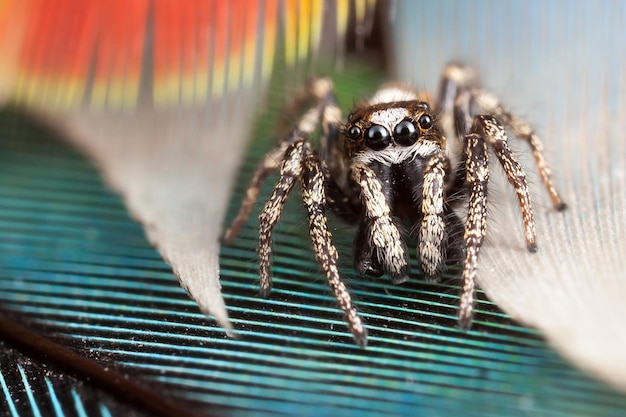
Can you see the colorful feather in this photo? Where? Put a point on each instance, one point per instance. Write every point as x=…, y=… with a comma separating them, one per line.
x=64, y=53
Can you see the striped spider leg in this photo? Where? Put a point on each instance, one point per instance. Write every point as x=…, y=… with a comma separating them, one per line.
x=298, y=162
x=487, y=131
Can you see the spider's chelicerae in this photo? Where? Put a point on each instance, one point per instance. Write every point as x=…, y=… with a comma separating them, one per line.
x=397, y=159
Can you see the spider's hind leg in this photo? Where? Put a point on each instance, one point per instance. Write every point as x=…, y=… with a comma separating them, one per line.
x=290, y=172
x=455, y=77
x=489, y=104
x=489, y=128
x=318, y=90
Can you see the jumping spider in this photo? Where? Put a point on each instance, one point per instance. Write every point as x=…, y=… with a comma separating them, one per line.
x=392, y=162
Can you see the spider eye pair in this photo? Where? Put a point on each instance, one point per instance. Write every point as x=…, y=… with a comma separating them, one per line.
x=405, y=133
x=376, y=136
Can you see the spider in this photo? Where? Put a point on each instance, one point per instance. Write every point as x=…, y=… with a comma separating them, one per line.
x=398, y=159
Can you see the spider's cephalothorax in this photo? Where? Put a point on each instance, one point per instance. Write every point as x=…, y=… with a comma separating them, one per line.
x=398, y=159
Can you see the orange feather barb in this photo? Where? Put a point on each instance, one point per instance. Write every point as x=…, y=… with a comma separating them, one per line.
x=64, y=53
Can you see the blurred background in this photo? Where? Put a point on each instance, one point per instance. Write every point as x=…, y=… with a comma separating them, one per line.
x=129, y=131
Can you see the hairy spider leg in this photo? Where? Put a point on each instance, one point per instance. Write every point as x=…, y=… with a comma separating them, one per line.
x=268, y=165
x=489, y=127
x=300, y=163
x=477, y=177
x=458, y=80
x=439, y=228
x=314, y=200
x=523, y=130
x=318, y=90
x=366, y=259
x=290, y=172
x=487, y=131
x=383, y=233
x=432, y=232
x=369, y=246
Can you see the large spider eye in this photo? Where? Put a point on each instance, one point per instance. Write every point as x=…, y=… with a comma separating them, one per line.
x=354, y=132
x=425, y=122
x=377, y=137
x=404, y=133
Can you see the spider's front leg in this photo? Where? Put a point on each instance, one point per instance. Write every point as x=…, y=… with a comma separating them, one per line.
x=383, y=244
x=432, y=233
x=367, y=259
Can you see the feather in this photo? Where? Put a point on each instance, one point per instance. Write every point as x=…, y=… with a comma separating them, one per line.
x=77, y=269
x=563, y=73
